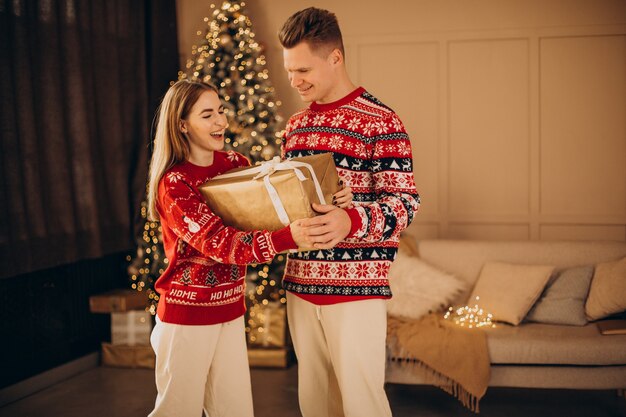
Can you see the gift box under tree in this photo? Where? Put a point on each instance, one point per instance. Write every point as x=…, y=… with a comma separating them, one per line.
x=124, y=356
x=267, y=324
x=118, y=300
x=131, y=328
x=271, y=358
x=269, y=344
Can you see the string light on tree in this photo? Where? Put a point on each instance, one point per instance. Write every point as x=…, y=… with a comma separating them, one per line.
x=149, y=261
x=470, y=317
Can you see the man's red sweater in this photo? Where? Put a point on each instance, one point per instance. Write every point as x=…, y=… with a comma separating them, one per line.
x=372, y=152
x=204, y=281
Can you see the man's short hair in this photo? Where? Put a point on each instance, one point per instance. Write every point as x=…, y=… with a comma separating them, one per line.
x=318, y=27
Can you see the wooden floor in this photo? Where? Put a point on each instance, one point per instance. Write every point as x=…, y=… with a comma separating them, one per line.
x=110, y=392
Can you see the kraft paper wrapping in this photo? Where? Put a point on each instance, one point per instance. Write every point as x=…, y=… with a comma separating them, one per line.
x=270, y=358
x=123, y=356
x=118, y=300
x=245, y=203
x=268, y=326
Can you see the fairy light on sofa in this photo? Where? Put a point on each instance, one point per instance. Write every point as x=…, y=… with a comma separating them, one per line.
x=470, y=317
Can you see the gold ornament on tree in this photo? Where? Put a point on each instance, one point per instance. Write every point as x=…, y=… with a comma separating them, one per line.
x=226, y=41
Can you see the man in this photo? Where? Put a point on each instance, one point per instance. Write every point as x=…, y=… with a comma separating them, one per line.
x=336, y=296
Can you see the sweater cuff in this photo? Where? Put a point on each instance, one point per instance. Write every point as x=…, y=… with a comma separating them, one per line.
x=282, y=240
x=355, y=220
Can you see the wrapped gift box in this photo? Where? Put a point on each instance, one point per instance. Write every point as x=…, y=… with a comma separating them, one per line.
x=268, y=326
x=131, y=328
x=118, y=300
x=124, y=356
x=251, y=198
x=270, y=358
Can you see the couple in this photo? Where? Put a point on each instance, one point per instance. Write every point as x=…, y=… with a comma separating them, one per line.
x=335, y=294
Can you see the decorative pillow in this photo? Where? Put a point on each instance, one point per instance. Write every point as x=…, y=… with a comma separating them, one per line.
x=508, y=291
x=607, y=294
x=563, y=300
x=419, y=288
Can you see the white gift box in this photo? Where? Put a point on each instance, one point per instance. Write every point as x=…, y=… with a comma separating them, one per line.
x=131, y=328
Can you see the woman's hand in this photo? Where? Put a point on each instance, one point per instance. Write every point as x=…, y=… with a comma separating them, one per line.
x=343, y=198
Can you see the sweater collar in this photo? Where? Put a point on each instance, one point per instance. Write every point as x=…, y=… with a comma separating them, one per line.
x=217, y=161
x=315, y=106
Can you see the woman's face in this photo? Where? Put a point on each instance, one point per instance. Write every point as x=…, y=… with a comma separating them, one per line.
x=206, y=124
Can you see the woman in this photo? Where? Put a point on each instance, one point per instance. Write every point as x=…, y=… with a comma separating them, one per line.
x=201, y=358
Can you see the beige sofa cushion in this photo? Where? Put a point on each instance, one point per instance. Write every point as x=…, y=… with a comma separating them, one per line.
x=563, y=300
x=508, y=291
x=419, y=288
x=607, y=294
x=534, y=343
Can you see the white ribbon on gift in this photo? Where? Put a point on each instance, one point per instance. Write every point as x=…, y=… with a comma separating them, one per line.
x=265, y=169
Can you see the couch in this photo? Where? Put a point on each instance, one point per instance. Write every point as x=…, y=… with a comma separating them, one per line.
x=533, y=354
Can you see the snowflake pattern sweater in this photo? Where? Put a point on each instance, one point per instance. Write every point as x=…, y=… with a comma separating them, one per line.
x=204, y=281
x=372, y=152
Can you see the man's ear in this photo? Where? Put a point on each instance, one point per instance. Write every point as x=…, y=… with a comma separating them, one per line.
x=336, y=57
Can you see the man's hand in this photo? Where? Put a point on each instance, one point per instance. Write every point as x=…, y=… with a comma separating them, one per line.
x=300, y=234
x=327, y=230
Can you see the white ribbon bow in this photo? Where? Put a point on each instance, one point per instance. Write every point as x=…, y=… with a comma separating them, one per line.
x=265, y=169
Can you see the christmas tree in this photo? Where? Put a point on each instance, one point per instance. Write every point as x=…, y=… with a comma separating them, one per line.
x=229, y=57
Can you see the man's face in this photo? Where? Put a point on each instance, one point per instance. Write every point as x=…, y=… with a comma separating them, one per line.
x=311, y=73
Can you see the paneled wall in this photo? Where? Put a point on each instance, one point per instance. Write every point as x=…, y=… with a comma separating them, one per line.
x=516, y=109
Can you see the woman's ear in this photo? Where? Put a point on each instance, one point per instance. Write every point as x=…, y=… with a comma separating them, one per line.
x=183, y=126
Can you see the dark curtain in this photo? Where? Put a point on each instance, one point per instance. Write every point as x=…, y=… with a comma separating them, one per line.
x=75, y=109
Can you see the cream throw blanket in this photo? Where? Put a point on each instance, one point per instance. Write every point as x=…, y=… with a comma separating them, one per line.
x=448, y=356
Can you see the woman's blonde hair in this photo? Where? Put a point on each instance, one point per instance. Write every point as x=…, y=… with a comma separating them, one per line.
x=171, y=146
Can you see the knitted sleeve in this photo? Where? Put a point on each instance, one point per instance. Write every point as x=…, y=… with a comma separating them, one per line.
x=191, y=219
x=397, y=199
